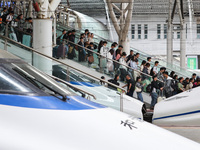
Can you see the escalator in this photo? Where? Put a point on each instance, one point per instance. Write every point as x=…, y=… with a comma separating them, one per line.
x=79, y=79
x=143, y=56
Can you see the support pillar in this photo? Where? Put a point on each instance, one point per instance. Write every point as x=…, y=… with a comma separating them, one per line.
x=30, y=9
x=183, y=46
x=191, y=14
x=18, y=6
x=170, y=35
x=121, y=26
x=24, y=8
x=42, y=41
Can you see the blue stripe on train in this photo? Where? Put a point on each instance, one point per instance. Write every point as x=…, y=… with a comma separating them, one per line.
x=48, y=102
x=84, y=84
x=177, y=115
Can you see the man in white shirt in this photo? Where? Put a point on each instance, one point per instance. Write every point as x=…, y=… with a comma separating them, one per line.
x=149, y=61
x=123, y=68
x=154, y=70
x=9, y=18
x=103, y=52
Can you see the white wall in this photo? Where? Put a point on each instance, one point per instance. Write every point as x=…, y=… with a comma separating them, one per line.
x=155, y=46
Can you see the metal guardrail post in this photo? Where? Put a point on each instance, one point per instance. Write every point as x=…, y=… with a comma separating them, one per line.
x=121, y=102
x=68, y=74
x=73, y=86
x=32, y=57
x=67, y=19
x=6, y=34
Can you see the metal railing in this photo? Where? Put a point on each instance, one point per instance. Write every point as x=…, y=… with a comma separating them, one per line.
x=71, y=85
x=98, y=54
x=143, y=54
x=68, y=66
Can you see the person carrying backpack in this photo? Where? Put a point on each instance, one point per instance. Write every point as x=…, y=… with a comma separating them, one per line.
x=154, y=70
x=154, y=89
x=3, y=12
x=168, y=85
x=9, y=18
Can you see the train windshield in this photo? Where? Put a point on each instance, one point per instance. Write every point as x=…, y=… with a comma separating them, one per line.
x=9, y=85
x=40, y=80
x=22, y=78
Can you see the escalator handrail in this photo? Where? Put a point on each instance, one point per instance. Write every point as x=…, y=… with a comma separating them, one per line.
x=98, y=54
x=135, y=50
x=71, y=85
x=54, y=59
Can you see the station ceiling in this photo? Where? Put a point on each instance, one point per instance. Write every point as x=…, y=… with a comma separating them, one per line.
x=141, y=7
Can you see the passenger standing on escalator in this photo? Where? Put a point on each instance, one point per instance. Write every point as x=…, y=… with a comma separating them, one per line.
x=154, y=89
x=86, y=35
x=81, y=50
x=71, y=51
x=114, y=81
x=168, y=86
x=103, y=58
x=139, y=88
x=3, y=12
x=130, y=85
x=180, y=85
x=122, y=67
x=90, y=54
x=20, y=27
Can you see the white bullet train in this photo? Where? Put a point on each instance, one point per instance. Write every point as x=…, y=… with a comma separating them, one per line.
x=181, y=110
x=36, y=113
x=106, y=96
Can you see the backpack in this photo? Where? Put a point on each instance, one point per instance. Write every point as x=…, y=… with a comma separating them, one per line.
x=171, y=87
x=148, y=88
x=174, y=85
x=151, y=72
x=4, y=18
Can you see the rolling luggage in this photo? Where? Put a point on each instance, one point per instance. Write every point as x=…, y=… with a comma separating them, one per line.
x=26, y=40
x=61, y=51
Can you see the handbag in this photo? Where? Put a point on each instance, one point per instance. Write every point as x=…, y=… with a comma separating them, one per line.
x=138, y=89
x=90, y=59
x=161, y=97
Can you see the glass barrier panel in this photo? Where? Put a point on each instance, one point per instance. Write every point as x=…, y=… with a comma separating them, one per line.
x=143, y=56
x=105, y=96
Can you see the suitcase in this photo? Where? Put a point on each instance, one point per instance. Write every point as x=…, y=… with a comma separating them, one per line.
x=26, y=40
x=61, y=51
x=161, y=97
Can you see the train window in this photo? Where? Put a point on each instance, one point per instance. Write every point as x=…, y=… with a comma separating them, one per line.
x=9, y=84
x=40, y=80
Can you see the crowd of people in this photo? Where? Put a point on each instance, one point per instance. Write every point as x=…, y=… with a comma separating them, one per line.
x=112, y=60
x=19, y=28
x=138, y=77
